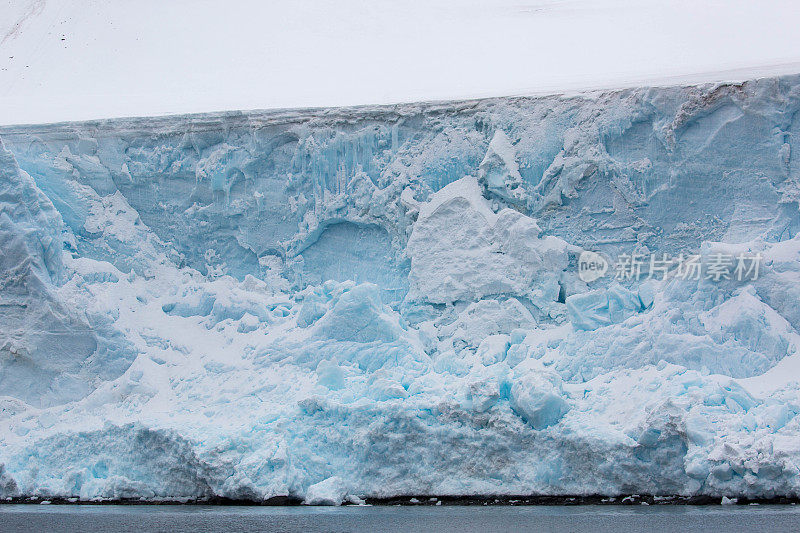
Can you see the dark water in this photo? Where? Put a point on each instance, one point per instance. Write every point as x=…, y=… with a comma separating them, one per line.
x=460, y=519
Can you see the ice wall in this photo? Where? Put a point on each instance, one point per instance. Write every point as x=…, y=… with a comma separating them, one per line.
x=303, y=302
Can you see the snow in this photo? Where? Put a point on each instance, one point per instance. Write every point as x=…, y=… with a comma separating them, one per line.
x=386, y=301
x=70, y=60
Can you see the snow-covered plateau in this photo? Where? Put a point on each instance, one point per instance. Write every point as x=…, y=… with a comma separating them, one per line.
x=353, y=303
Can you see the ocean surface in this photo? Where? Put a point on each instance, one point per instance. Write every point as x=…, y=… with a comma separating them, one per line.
x=460, y=519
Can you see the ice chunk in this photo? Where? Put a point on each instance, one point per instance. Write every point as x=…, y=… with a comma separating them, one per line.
x=311, y=311
x=499, y=170
x=358, y=316
x=538, y=397
x=484, y=318
x=749, y=322
x=493, y=349
x=383, y=388
x=330, y=375
x=461, y=250
x=331, y=491
x=601, y=307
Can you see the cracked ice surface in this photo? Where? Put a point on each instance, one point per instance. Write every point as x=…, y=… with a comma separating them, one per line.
x=384, y=300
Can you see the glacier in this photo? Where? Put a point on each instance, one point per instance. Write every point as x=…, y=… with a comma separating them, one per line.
x=352, y=303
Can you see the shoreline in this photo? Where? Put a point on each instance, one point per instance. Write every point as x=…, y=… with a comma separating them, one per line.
x=429, y=500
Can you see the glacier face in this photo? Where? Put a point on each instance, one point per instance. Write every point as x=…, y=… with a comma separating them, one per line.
x=347, y=303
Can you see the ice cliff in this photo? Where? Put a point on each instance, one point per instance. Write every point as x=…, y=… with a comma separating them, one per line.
x=345, y=303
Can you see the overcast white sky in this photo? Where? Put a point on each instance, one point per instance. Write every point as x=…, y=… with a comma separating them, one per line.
x=81, y=59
